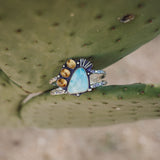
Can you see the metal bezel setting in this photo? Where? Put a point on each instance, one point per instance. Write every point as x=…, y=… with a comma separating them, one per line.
x=81, y=63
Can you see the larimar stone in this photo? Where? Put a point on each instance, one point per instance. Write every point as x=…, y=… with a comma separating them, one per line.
x=78, y=82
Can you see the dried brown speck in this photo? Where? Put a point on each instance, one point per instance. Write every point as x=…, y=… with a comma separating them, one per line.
x=44, y=76
x=35, y=41
x=72, y=34
x=150, y=20
x=3, y=84
x=140, y=5
x=63, y=98
x=39, y=65
x=19, y=30
x=20, y=71
x=112, y=28
x=39, y=12
x=142, y=92
x=156, y=30
x=77, y=103
x=56, y=24
x=99, y=16
x=87, y=44
x=127, y=18
x=82, y=5
x=118, y=40
x=121, y=50
x=24, y=58
x=120, y=97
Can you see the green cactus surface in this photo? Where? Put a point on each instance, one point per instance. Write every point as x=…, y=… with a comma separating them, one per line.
x=37, y=36
x=11, y=97
x=106, y=105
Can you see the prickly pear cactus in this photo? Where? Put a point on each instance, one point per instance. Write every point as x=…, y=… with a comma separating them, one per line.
x=11, y=97
x=107, y=105
x=38, y=36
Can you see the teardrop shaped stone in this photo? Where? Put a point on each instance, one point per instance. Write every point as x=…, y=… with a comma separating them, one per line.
x=78, y=82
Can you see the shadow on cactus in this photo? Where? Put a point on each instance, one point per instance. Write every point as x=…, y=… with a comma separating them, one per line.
x=38, y=36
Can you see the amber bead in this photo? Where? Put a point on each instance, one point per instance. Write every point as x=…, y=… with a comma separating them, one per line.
x=65, y=73
x=61, y=82
x=71, y=64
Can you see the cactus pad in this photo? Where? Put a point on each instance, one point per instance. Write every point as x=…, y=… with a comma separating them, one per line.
x=37, y=36
x=107, y=105
x=11, y=97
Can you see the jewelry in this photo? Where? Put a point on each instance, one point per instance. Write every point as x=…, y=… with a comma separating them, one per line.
x=77, y=77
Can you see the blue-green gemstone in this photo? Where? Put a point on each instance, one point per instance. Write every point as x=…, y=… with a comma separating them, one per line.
x=78, y=82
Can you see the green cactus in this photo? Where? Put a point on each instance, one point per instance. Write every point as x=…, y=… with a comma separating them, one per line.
x=11, y=97
x=107, y=105
x=38, y=36
x=41, y=35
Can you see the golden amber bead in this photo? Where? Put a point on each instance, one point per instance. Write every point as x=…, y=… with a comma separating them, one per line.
x=65, y=73
x=61, y=82
x=71, y=64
